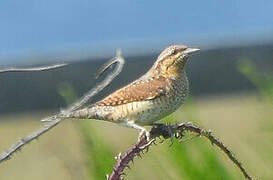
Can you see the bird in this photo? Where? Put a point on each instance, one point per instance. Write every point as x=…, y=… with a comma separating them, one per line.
x=156, y=94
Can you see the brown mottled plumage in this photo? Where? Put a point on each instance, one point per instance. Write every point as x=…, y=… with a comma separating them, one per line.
x=137, y=91
x=153, y=96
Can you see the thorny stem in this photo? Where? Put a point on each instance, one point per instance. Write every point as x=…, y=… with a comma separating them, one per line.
x=164, y=130
x=217, y=142
x=124, y=160
x=53, y=121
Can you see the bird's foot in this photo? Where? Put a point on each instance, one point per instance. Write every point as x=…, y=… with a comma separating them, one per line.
x=171, y=134
x=165, y=130
x=142, y=130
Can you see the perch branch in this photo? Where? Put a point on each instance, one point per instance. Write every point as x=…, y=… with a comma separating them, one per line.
x=53, y=121
x=40, y=68
x=169, y=131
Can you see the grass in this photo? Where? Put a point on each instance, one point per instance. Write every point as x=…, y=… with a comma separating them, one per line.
x=98, y=155
x=86, y=149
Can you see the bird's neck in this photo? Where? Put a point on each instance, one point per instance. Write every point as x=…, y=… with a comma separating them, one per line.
x=174, y=73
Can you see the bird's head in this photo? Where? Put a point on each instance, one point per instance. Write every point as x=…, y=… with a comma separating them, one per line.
x=171, y=62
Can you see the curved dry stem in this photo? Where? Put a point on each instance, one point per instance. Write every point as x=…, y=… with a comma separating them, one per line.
x=216, y=141
x=116, y=60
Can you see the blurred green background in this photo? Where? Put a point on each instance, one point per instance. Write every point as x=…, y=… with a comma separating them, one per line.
x=231, y=82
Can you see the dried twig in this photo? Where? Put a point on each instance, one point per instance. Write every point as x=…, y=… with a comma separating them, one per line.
x=22, y=142
x=40, y=68
x=118, y=59
x=56, y=119
x=177, y=131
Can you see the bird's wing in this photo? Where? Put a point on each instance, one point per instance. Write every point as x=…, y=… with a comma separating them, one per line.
x=139, y=90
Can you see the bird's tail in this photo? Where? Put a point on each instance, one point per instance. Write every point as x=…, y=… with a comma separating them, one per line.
x=85, y=113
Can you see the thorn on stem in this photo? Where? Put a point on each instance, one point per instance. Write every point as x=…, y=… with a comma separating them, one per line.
x=118, y=157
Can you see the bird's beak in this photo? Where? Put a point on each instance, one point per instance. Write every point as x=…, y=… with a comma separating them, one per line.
x=190, y=51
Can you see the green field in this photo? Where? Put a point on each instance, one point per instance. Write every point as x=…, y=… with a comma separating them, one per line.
x=86, y=149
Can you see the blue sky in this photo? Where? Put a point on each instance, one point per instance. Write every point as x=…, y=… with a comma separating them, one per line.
x=33, y=26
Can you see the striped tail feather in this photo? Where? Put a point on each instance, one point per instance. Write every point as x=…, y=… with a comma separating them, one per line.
x=93, y=112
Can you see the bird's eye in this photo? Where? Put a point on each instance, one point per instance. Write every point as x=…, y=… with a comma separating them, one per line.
x=175, y=51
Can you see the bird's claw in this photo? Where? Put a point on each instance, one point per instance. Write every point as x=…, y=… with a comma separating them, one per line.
x=171, y=135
